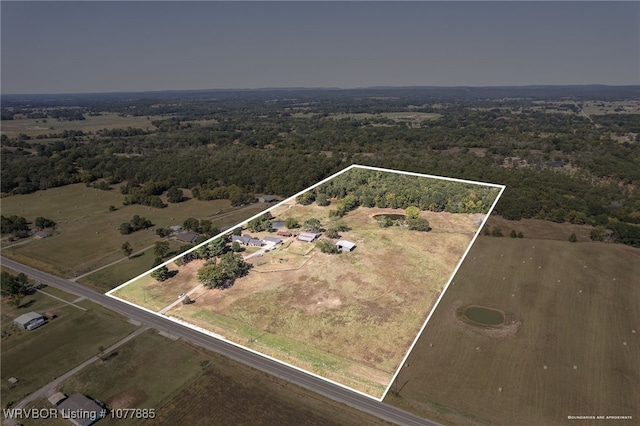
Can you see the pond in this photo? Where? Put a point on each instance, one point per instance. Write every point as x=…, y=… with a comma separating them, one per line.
x=484, y=316
x=390, y=216
x=277, y=224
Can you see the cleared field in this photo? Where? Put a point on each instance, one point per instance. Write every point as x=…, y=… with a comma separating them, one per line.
x=241, y=395
x=38, y=126
x=143, y=373
x=74, y=336
x=541, y=229
x=348, y=317
x=570, y=348
x=87, y=237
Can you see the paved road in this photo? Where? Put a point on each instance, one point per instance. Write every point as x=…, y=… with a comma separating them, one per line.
x=363, y=403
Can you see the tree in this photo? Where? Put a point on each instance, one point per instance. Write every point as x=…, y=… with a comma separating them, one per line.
x=223, y=273
x=262, y=223
x=42, y=222
x=126, y=248
x=191, y=224
x=14, y=288
x=125, y=228
x=418, y=224
x=597, y=233
x=327, y=246
x=163, y=232
x=520, y=234
x=161, y=248
x=322, y=199
x=496, y=232
x=217, y=247
x=332, y=233
x=292, y=223
x=312, y=225
x=186, y=300
x=236, y=247
x=513, y=234
x=306, y=198
x=412, y=212
x=573, y=238
x=174, y=194
x=160, y=274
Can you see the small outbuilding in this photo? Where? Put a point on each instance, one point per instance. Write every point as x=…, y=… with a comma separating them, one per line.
x=307, y=236
x=267, y=198
x=187, y=237
x=80, y=410
x=41, y=234
x=57, y=398
x=272, y=240
x=345, y=245
x=284, y=233
x=29, y=321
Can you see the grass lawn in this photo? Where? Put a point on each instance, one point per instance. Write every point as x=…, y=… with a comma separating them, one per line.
x=143, y=373
x=242, y=395
x=87, y=236
x=37, y=356
x=114, y=275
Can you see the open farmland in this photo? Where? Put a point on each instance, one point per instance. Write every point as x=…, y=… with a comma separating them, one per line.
x=37, y=126
x=87, y=236
x=570, y=345
x=73, y=336
x=348, y=317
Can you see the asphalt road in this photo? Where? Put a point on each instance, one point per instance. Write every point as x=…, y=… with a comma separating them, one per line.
x=337, y=393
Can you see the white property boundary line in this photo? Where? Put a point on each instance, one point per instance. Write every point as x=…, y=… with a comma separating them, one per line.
x=226, y=231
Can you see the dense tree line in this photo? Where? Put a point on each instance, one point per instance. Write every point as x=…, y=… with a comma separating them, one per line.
x=282, y=141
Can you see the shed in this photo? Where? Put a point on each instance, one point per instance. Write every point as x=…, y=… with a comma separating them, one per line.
x=187, y=237
x=80, y=410
x=57, y=398
x=176, y=228
x=307, y=236
x=41, y=234
x=273, y=240
x=345, y=245
x=284, y=233
x=267, y=198
x=29, y=320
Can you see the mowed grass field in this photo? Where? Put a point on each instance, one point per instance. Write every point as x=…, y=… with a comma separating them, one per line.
x=575, y=349
x=36, y=127
x=188, y=385
x=87, y=237
x=349, y=317
x=37, y=356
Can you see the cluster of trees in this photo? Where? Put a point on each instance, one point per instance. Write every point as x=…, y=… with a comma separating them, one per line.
x=135, y=224
x=146, y=195
x=14, y=287
x=16, y=225
x=223, y=272
x=370, y=188
x=201, y=226
x=261, y=223
x=251, y=146
x=161, y=274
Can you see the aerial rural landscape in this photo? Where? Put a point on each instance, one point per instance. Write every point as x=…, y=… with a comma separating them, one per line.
x=315, y=286
x=320, y=213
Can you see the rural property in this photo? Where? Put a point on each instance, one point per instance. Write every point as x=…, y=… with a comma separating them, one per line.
x=337, y=280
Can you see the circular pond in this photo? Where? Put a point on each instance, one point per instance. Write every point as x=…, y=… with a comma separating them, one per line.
x=484, y=316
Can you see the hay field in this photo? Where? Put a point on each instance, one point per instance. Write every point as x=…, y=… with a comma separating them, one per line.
x=349, y=317
x=572, y=346
x=87, y=237
x=36, y=126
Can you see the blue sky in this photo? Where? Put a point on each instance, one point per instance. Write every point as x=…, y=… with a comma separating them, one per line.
x=71, y=47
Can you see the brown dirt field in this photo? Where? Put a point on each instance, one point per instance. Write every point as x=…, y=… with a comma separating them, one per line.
x=365, y=306
x=574, y=350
